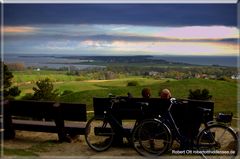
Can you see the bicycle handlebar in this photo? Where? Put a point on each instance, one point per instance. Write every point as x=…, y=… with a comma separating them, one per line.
x=204, y=109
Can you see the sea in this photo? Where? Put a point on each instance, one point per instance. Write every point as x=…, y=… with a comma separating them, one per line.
x=230, y=61
x=54, y=61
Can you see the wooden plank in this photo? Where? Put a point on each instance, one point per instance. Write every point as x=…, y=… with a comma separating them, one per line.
x=30, y=125
x=48, y=126
x=31, y=114
x=48, y=110
x=131, y=108
x=35, y=109
x=73, y=111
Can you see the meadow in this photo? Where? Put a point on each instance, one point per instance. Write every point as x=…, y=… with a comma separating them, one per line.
x=224, y=93
x=43, y=144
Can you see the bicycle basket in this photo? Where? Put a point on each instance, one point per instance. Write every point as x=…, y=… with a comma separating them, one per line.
x=224, y=117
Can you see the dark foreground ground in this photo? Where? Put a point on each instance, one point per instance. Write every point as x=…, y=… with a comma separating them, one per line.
x=45, y=145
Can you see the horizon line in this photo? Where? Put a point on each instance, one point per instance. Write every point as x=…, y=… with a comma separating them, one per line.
x=124, y=1
x=52, y=54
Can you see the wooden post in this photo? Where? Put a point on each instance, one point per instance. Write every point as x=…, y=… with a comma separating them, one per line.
x=59, y=121
x=9, y=132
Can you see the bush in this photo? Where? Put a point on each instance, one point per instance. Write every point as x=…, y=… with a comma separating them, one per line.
x=6, y=90
x=133, y=83
x=14, y=91
x=44, y=90
x=199, y=94
x=227, y=79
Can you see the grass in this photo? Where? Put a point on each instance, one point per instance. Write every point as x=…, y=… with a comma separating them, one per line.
x=31, y=151
x=224, y=93
x=18, y=152
x=31, y=76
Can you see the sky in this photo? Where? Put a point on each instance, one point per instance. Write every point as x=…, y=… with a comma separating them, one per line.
x=121, y=29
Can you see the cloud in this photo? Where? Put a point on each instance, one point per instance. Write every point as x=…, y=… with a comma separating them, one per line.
x=95, y=44
x=124, y=32
x=200, y=32
x=47, y=38
x=19, y=29
x=119, y=28
x=130, y=14
x=158, y=48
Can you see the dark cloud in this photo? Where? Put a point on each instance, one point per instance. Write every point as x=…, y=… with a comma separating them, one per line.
x=151, y=39
x=108, y=38
x=133, y=14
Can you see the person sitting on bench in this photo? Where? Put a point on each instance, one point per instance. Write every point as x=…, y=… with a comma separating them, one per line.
x=165, y=94
x=146, y=93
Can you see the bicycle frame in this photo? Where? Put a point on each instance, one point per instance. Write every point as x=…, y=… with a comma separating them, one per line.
x=210, y=138
x=114, y=122
x=168, y=119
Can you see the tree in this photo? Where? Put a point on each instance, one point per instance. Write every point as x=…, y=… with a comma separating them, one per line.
x=199, y=94
x=18, y=66
x=44, y=90
x=6, y=90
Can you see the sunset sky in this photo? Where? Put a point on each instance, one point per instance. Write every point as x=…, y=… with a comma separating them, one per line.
x=121, y=29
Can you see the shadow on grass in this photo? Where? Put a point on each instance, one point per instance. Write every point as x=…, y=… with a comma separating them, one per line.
x=18, y=152
x=31, y=151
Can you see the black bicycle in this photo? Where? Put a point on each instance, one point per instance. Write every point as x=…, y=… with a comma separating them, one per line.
x=153, y=137
x=100, y=130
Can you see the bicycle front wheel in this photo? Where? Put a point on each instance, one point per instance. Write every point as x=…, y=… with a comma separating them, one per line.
x=99, y=134
x=151, y=138
x=218, y=140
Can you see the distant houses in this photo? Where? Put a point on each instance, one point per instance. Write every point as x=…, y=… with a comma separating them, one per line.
x=179, y=75
x=236, y=76
x=205, y=76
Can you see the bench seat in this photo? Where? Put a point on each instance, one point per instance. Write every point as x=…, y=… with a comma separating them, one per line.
x=44, y=116
x=48, y=126
x=186, y=115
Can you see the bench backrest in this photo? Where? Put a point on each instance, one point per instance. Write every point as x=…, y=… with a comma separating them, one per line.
x=74, y=111
x=46, y=109
x=193, y=110
x=131, y=110
x=130, y=107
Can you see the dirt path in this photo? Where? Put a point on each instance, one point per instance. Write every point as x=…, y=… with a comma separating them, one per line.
x=45, y=145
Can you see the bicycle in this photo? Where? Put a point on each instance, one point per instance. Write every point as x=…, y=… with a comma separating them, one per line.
x=154, y=137
x=100, y=130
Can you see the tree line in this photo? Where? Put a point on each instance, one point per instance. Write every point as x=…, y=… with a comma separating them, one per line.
x=115, y=71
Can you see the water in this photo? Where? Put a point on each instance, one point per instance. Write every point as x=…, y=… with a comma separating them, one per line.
x=231, y=61
x=50, y=61
x=53, y=61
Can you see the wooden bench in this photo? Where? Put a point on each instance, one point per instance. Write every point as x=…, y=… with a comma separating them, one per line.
x=66, y=119
x=187, y=115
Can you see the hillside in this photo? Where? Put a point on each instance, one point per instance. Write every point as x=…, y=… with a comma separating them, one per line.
x=224, y=93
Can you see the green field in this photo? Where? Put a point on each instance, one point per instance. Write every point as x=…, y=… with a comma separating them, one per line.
x=224, y=93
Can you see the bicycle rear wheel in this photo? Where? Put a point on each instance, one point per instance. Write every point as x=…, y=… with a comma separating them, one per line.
x=218, y=140
x=99, y=134
x=151, y=138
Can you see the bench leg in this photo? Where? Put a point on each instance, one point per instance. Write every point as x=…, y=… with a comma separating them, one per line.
x=9, y=132
x=63, y=137
x=59, y=122
x=62, y=134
